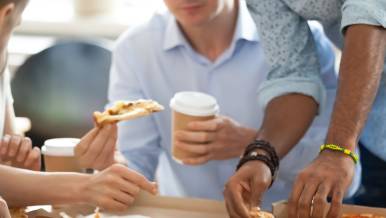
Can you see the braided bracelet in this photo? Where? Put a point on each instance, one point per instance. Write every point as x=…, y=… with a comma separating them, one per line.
x=265, y=146
x=271, y=159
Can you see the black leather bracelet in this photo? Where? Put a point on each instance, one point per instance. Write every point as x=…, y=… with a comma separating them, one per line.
x=265, y=146
x=271, y=159
x=259, y=157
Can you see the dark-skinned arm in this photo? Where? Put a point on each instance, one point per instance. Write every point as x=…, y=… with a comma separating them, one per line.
x=286, y=120
x=332, y=172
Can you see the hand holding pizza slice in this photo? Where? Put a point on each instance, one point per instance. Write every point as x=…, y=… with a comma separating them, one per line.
x=128, y=110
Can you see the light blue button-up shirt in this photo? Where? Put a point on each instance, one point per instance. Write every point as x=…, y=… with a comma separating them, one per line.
x=291, y=51
x=154, y=61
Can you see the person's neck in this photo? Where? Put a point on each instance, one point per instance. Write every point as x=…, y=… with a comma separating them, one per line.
x=212, y=39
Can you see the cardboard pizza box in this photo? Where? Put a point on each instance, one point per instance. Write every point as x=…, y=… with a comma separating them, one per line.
x=280, y=210
x=147, y=205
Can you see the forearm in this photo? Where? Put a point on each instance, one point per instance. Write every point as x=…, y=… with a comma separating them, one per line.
x=287, y=118
x=360, y=73
x=22, y=187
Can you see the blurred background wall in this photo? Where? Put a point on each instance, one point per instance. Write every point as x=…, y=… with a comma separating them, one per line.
x=60, y=58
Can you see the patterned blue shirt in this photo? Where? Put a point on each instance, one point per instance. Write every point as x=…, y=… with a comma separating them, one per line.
x=291, y=53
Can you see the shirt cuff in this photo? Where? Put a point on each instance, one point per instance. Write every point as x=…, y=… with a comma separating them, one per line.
x=271, y=89
x=363, y=13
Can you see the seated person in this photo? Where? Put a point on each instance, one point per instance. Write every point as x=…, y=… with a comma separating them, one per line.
x=211, y=47
x=113, y=188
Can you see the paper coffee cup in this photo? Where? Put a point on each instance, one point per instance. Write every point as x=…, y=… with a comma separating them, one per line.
x=187, y=107
x=59, y=155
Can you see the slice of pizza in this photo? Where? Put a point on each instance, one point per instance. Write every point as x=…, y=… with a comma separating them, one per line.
x=257, y=213
x=127, y=110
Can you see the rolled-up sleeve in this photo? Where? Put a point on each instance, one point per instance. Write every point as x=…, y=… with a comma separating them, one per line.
x=290, y=51
x=371, y=12
x=138, y=139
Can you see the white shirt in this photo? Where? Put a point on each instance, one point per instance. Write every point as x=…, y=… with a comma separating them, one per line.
x=5, y=97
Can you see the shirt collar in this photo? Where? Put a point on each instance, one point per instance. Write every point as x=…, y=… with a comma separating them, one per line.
x=245, y=29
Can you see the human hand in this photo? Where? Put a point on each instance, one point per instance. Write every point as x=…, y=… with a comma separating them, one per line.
x=4, y=211
x=218, y=139
x=245, y=189
x=96, y=149
x=115, y=188
x=17, y=151
x=329, y=175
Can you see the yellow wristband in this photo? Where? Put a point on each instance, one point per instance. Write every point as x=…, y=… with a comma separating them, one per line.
x=340, y=149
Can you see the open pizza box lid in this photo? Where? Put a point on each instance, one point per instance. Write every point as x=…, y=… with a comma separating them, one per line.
x=150, y=206
x=280, y=210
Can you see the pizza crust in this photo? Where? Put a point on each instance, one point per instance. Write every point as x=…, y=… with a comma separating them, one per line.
x=128, y=110
x=257, y=213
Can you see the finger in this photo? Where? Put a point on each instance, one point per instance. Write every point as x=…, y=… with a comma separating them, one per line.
x=25, y=148
x=86, y=140
x=195, y=137
x=294, y=197
x=122, y=197
x=107, y=155
x=33, y=160
x=336, y=202
x=97, y=145
x=207, y=125
x=110, y=204
x=257, y=191
x=197, y=160
x=198, y=149
x=4, y=144
x=305, y=200
x=138, y=180
x=14, y=145
x=320, y=201
x=236, y=202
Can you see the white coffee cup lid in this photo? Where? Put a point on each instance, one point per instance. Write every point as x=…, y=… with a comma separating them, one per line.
x=194, y=104
x=60, y=147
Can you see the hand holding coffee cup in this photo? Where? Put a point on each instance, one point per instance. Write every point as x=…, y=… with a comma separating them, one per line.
x=199, y=139
x=188, y=107
x=220, y=138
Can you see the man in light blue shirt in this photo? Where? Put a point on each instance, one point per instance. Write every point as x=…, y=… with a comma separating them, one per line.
x=211, y=47
x=292, y=56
